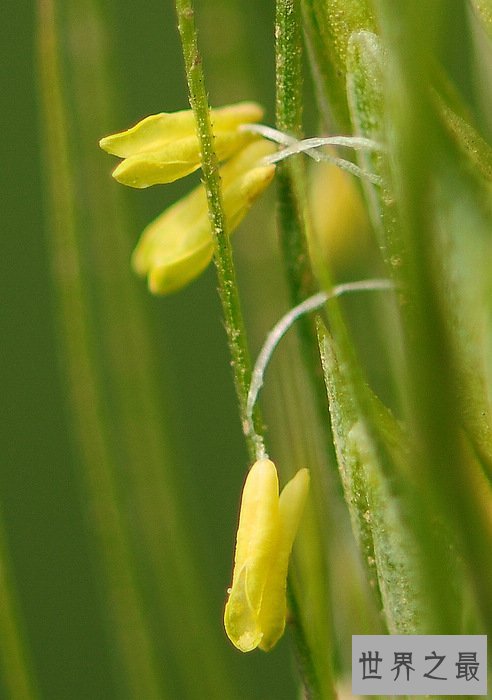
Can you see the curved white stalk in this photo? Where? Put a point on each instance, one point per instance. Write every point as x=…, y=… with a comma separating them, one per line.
x=281, y=328
x=310, y=146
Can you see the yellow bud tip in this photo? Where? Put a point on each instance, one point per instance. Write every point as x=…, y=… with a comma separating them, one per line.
x=256, y=608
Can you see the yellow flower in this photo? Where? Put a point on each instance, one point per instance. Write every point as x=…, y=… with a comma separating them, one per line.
x=256, y=609
x=341, y=229
x=164, y=147
x=178, y=245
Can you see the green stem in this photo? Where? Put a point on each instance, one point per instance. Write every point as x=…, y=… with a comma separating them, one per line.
x=288, y=59
x=228, y=290
x=223, y=253
x=293, y=223
x=292, y=226
x=16, y=672
x=302, y=649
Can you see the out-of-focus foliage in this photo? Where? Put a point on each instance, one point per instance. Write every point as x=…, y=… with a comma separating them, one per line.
x=122, y=451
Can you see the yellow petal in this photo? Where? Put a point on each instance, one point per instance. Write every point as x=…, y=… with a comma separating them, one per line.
x=247, y=159
x=172, y=276
x=175, y=159
x=341, y=229
x=258, y=528
x=150, y=133
x=274, y=603
x=173, y=231
x=231, y=116
x=164, y=147
x=155, y=131
x=240, y=620
x=243, y=180
x=257, y=538
x=291, y=504
x=178, y=245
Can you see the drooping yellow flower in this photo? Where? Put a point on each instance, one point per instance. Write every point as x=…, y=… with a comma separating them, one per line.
x=165, y=147
x=178, y=245
x=256, y=609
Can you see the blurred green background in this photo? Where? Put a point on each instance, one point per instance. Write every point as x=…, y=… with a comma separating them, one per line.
x=122, y=454
x=121, y=61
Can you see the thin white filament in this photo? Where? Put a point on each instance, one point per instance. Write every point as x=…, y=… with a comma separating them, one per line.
x=358, y=143
x=310, y=146
x=282, y=326
x=269, y=133
x=303, y=147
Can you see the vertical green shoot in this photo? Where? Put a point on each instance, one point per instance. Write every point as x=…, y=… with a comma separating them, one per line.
x=226, y=274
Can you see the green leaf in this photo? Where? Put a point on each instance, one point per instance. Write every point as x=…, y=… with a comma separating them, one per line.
x=365, y=94
x=426, y=174
x=367, y=456
x=328, y=26
x=483, y=9
x=16, y=669
x=477, y=151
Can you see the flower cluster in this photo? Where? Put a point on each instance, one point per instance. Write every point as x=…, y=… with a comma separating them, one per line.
x=172, y=251
x=178, y=245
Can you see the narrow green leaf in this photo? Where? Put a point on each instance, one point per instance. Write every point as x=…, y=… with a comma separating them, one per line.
x=419, y=158
x=365, y=59
x=365, y=95
x=483, y=9
x=387, y=547
x=328, y=26
x=130, y=634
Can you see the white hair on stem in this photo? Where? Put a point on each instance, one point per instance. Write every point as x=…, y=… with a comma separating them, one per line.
x=310, y=146
x=280, y=329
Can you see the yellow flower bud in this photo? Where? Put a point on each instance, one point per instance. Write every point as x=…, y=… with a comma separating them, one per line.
x=340, y=222
x=178, y=245
x=164, y=147
x=256, y=609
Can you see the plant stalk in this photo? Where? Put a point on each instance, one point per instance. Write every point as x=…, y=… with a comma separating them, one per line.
x=228, y=289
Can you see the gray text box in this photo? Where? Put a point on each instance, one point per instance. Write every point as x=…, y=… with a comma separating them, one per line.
x=419, y=665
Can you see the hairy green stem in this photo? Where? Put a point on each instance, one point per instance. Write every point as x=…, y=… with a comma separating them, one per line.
x=292, y=226
x=228, y=290
x=223, y=253
x=288, y=70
